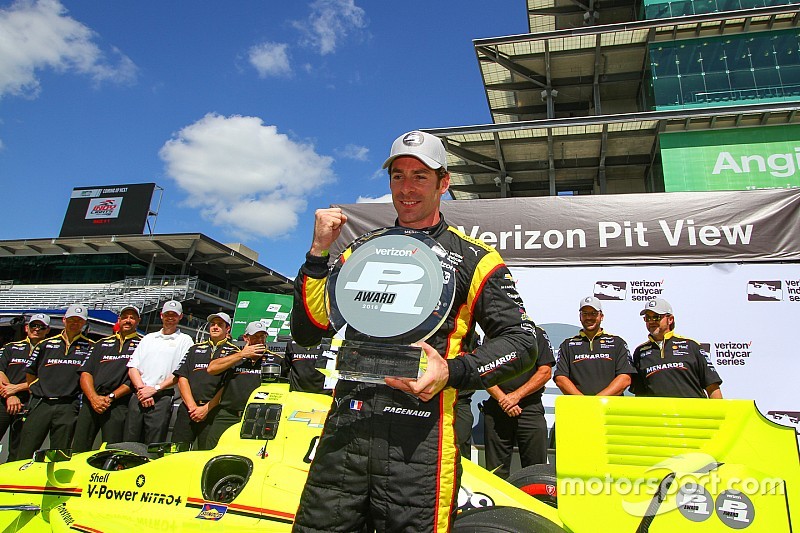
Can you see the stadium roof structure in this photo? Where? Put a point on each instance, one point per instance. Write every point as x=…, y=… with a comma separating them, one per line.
x=543, y=157
x=569, y=105
x=189, y=249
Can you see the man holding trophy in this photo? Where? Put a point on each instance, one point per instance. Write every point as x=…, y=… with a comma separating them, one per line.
x=387, y=459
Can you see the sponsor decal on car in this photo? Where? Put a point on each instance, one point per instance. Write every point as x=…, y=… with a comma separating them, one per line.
x=472, y=500
x=314, y=418
x=212, y=511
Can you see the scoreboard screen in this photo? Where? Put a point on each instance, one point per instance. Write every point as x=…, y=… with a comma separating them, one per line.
x=108, y=210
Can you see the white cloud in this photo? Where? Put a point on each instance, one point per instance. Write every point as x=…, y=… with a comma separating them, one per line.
x=380, y=174
x=386, y=198
x=329, y=22
x=38, y=35
x=352, y=151
x=270, y=59
x=243, y=175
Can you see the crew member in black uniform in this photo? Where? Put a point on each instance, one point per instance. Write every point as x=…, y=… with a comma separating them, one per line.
x=671, y=365
x=463, y=424
x=53, y=379
x=303, y=374
x=200, y=390
x=13, y=385
x=514, y=415
x=106, y=386
x=593, y=362
x=241, y=375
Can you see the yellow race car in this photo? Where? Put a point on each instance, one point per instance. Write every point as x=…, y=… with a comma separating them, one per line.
x=251, y=481
x=624, y=464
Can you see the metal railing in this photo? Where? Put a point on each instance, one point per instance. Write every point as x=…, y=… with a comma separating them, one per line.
x=214, y=290
x=147, y=293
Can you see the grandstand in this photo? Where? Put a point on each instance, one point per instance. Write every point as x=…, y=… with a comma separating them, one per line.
x=146, y=294
x=108, y=272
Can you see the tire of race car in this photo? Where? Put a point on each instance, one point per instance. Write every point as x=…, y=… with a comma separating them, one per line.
x=226, y=489
x=134, y=447
x=503, y=520
x=539, y=481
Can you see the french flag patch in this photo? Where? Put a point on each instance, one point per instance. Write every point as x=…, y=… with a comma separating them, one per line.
x=355, y=405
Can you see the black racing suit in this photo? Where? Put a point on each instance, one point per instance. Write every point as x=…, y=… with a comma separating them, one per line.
x=303, y=375
x=387, y=459
x=203, y=387
x=592, y=364
x=108, y=367
x=55, y=394
x=528, y=430
x=679, y=368
x=13, y=360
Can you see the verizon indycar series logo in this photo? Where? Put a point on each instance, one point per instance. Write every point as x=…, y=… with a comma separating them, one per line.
x=103, y=208
x=764, y=291
x=610, y=290
x=731, y=353
x=634, y=290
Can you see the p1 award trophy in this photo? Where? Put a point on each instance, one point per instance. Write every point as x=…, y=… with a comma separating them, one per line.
x=392, y=287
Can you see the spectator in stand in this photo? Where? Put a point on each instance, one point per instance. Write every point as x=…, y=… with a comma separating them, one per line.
x=593, y=362
x=54, y=384
x=13, y=385
x=241, y=376
x=105, y=384
x=514, y=414
x=151, y=370
x=201, y=391
x=671, y=365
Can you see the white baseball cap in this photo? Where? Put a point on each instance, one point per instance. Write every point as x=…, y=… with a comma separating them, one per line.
x=174, y=306
x=591, y=301
x=40, y=317
x=224, y=316
x=424, y=146
x=254, y=327
x=77, y=310
x=658, y=306
x=132, y=307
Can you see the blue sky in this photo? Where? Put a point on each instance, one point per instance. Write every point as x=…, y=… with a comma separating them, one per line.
x=250, y=114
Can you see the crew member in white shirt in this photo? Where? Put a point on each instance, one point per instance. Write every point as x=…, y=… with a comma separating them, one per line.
x=151, y=370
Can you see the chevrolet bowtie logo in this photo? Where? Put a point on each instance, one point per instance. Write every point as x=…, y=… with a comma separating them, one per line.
x=315, y=418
